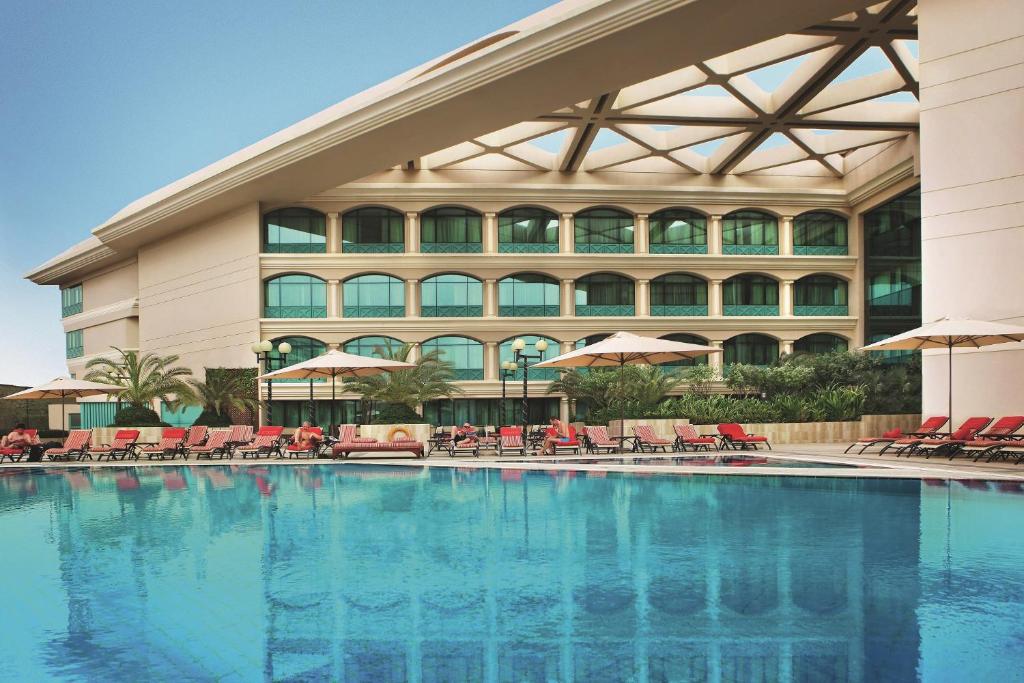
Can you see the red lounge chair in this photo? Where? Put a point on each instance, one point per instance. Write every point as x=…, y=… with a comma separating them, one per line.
x=687, y=436
x=510, y=441
x=266, y=442
x=295, y=450
x=239, y=435
x=964, y=433
x=928, y=429
x=596, y=439
x=571, y=446
x=347, y=434
x=75, y=445
x=196, y=437
x=217, y=444
x=343, y=450
x=649, y=442
x=991, y=441
x=733, y=435
x=170, y=444
x=16, y=453
x=120, y=448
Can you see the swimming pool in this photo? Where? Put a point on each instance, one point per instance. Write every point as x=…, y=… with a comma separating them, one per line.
x=364, y=573
x=689, y=460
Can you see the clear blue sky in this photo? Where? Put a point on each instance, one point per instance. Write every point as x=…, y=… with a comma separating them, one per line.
x=105, y=101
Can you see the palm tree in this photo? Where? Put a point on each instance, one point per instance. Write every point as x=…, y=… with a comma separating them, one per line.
x=641, y=387
x=144, y=377
x=430, y=379
x=223, y=391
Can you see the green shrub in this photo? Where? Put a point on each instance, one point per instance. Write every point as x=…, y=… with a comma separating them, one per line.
x=210, y=418
x=137, y=416
x=396, y=413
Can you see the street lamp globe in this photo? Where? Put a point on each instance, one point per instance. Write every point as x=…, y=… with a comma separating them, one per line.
x=257, y=347
x=284, y=348
x=266, y=346
x=541, y=345
x=518, y=344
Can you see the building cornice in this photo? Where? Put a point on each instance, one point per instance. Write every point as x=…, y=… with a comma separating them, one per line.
x=882, y=182
x=126, y=308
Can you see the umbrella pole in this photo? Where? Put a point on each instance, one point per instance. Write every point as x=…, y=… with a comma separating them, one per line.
x=622, y=407
x=63, y=414
x=312, y=405
x=334, y=394
x=951, y=388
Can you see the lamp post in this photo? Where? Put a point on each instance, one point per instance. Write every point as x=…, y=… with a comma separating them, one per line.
x=508, y=371
x=262, y=350
x=521, y=357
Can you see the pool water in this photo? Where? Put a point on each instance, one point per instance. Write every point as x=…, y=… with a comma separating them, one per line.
x=693, y=460
x=363, y=573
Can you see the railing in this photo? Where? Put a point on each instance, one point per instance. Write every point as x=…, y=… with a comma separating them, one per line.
x=587, y=310
x=451, y=248
x=527, y=248
x=374, y=311
x=296, y=248
x=587, y=248
x=464, y=375
x=821, y=250
x=378, y=248
x=678, y=249
x=452, y=311
x=820, y=310
x=750, y=249
x=74, y=351
x=679, y=310
x=747, y=309
x=294, y=311
x=528, y=311
x=71, y=309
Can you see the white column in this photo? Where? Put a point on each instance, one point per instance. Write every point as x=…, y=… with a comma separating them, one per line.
x=787, y=346
x=334, y=303
x=412, y=298
x=490, y=236
x=715, y=298
x=567, y=232
x=643, y=297
x=715, y=235
x=716, y=360
x=566, y=347
x=786, y=298
x=563, y=409
x=568, y=293
x=642, y=234
x=491, y=361
x=333, y=233
x=414, y=352
x=412, y=232
x=786, y=236
x=490, y=298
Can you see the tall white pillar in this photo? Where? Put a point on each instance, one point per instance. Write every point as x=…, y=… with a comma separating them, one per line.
x=715, y=235
x=415, y=351
x=563, y=409
x=567, y=233
x=568, y=294
x=643, y=297
x=566, y=347
x=642, y=234
x=716, y=360
x=490, y=298
x=715, y=298
x=787, y=346
x=490, y=236
x=334, y=299
x=412, y=232
x=412, y=298
x=786, y=236
x=491, y=361
x=786, y=299
x=333, y=233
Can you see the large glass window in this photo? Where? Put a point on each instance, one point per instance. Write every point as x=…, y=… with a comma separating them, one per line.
x=678, y=231
x=750, y=295
x=679, y=294
x=452, y=296
x=294, y=231
x=604, y=231
x=820, y=343
x=751, y=349
x=820, y=295
x=293, y=413
x=487, y=412
x=74, y=347
x=604, y=294
x=373, y=230
x=295, y=296
x=819, y=233
x=71, y=300
x=687, y=339
x=303, y=348
x=466, y=355
x=528, y=295
x=374, y=296
x=527, y=230
x=374, y=347
x=750, y=232
x=505, y=353
x=451, y=230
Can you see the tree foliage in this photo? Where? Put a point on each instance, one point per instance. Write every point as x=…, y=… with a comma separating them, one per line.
x=430, y=379
x=610, y=393
x=225, y=389
x=145, y=377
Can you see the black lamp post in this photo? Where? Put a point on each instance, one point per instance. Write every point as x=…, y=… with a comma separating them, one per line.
x=507, y=371
x=522, y=359
x=262, y=350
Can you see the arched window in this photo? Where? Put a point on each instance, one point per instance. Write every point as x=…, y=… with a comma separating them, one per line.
x=303, y=348
x=450, y=230
x=678, y=231
x=373, y=347
x=752, y=349
x=592, y=339
x=505, y=353
x=373, y=296
x=750, y=295
x=528, y=295
x=688, y=339
x=373, y=230
x=819, y=233
x=820, y=295
x=750, y=232
x=527, y=231
x=294, y=231
x=452, y=296
x=466, y=355
x=604, y=294
x=604, y=231
x=679, y=294
x=295, y=296
x=820, y=343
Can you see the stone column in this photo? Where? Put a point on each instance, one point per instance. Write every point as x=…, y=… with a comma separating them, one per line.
x=643, y=297
x=412, y=298
x=334, y=299
x=415, y=351
x=786, y=298
x=786, y=236
x=333, y=346
x=715, y=235
x=490, y=298
x=333, y=233
x=491, y=361
x=412, y=232
x=490, y=236
x=567, y=235
x=642, y=234
x=715, y=298
x=717, y=360
x=786, y=346
x=568, y=293
x=566, y=347
x=563, y=409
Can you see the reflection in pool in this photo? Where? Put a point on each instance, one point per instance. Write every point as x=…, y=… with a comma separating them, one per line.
x=355, y=572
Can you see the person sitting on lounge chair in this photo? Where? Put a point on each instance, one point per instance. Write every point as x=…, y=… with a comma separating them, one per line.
x=307, y=438
x=465, y=435
x=21, y=438
x=557, y=433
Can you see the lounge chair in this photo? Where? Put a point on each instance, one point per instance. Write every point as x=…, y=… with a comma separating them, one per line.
x=571, y=446
x=239, y=435
x=294, y=450
x=16, y=453
x=964, y=433
x=266, y=442
x=343, y=450
x=596, y=439
x=171, y=441
x=1009, y=449
x=196, y=437
x=216, y=445
x=992, y=440
x=733, y=436
x=121, y=447
x=75, y=445
x=510, y=441
x=928, y=429
x=687, y=437
x=649, y=442
x=347, y=434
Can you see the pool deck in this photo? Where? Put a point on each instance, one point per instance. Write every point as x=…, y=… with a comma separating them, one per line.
x=864, y=466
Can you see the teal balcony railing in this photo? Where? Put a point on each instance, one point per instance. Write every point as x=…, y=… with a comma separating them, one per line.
x=821, y=310
x=374, y=311
x=527, y=248
x=839, y=250
x=294, y=311
x=585, y=310
x=604, y=248
x=678, y=249
x=452, y=311
x=451, y=248
x=743, y=309
x=71, y=309
x=679, y=310
x=388, y=248
x=468, y=375
x=750, y=249
x=296, y=248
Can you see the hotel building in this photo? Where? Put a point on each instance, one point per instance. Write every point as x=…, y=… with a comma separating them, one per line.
x=758, y=187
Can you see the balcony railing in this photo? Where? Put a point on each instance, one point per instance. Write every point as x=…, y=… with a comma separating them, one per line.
x=451, y=248
x=586, y=310
x=468, y=375
x=528, y=311
x=378, y=248
x=820, y=310
x=750, y=249
x=679, y=310
x=294, y=311
x=835, y=250
x=452, y=311
x=586, y=248
x=296, y=248
x=745, y=309
x=374, y=311
x=527, y=248
x=71, y=309
x=679, y=248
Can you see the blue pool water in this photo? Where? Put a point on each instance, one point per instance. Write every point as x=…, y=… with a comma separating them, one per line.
x=361, y=573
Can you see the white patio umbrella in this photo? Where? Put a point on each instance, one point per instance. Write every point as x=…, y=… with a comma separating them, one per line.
x=334, y=364
x=624, y=348
x=62, y=388
x=947, y=333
